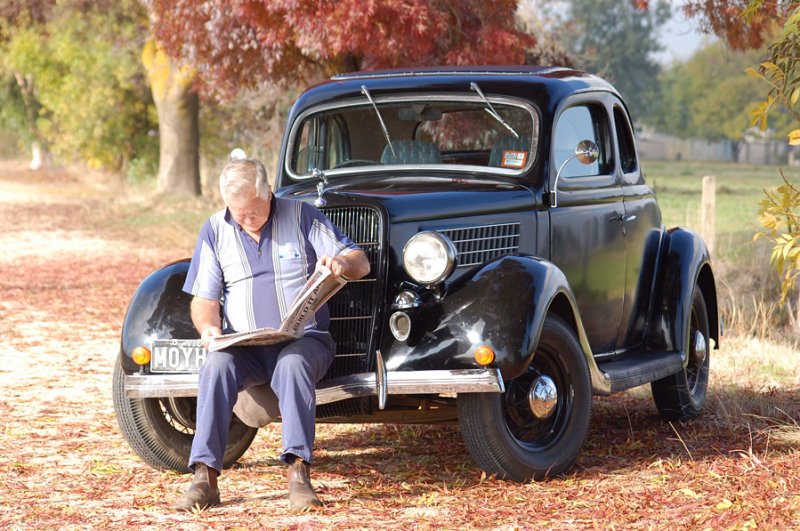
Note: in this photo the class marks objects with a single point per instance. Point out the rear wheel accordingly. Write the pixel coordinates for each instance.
(536, 429)
(682, 396)
(160, 430)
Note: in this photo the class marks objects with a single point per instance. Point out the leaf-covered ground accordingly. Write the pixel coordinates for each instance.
(67, 271)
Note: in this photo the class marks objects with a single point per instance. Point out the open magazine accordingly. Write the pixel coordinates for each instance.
(317, 290)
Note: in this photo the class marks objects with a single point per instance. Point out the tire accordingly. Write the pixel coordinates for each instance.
(682, 396)
(501, 431)
(160, 430)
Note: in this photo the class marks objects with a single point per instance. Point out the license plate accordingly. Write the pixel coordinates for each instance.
(177, 355)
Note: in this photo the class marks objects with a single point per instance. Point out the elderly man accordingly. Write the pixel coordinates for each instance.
(256, 254)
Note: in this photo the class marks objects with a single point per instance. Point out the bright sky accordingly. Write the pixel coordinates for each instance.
(680, 38)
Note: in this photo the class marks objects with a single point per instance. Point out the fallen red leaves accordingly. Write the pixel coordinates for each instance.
(65, 280)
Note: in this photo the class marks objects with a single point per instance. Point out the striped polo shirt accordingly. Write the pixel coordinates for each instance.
(258, 281)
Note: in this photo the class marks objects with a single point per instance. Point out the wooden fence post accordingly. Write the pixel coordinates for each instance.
(708, 212)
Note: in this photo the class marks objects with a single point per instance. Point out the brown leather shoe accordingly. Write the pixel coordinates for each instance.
(301, 495)
(203, 491)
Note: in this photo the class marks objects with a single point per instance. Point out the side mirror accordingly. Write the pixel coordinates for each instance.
(586, 152)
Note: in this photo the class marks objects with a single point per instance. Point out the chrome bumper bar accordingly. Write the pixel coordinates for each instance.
(381, 384)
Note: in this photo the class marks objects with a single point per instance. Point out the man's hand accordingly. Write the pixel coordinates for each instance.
(352, 266)
(208, 334)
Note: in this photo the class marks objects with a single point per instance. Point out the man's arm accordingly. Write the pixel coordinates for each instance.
(205, 316)
(352, 266)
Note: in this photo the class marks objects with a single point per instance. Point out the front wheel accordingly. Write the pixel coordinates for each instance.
(682, 396)
(536, 429)
(160, 430)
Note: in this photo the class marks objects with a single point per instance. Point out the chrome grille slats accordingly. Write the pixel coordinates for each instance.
(353, 308)
(479, 244)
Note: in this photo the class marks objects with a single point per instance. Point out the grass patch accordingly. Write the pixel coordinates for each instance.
(748, 287)
(170, 221)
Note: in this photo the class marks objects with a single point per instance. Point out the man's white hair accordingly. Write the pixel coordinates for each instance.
(244, 176)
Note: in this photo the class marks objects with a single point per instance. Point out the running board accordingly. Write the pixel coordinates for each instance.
(640, 369)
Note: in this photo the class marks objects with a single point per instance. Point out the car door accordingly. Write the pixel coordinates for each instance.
(643, 230)
(587, 232)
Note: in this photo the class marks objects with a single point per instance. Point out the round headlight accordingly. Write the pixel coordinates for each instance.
(428, 257)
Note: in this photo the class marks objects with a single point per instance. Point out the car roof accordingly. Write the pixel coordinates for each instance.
(546, 86)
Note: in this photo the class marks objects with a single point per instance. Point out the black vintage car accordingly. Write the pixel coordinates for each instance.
(519, 266)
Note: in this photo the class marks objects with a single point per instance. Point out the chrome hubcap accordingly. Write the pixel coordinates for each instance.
(542, 397)
(700, 348)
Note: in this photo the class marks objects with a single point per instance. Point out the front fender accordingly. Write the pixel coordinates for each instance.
(159, 309)
(685, 262)
(502, 305)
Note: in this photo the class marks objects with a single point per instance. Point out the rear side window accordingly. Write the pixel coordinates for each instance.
(582, 122)
(627, 153)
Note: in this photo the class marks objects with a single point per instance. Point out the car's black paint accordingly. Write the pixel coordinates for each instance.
(159, 308)
(685, 263)
(501, 305)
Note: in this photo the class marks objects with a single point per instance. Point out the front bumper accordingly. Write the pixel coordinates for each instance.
(380, 383)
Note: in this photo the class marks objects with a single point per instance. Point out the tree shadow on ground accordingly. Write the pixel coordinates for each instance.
(626, 432)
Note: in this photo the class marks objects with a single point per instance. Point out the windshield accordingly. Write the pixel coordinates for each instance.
(408, 132)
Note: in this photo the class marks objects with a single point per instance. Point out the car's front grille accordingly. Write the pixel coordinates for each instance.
(353, 308)
(477, 245)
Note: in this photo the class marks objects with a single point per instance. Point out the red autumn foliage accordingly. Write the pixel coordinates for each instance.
(236, 44)
(723, 18)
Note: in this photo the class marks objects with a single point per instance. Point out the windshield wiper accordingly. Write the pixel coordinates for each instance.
(380, 119)
(474, 86)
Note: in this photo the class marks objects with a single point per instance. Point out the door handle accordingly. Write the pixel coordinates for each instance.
(623, 217)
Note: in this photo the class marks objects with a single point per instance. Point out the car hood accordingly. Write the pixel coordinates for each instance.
(415, 198)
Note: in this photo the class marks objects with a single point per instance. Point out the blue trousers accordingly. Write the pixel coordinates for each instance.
(292, 369)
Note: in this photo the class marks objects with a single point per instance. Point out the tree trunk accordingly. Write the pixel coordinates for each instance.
(178, 122)
(40, 158)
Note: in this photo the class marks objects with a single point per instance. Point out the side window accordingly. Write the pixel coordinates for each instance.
(582, 122)
(627, 153)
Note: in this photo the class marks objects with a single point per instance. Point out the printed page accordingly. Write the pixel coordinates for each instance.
(315, 292)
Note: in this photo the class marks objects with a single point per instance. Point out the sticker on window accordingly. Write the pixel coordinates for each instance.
(514, 159)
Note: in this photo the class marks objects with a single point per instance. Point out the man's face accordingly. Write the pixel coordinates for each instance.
(251, 212)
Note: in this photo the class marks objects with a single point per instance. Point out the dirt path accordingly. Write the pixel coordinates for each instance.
(65, 280)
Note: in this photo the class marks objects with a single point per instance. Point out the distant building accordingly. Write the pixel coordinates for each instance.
(750, 150)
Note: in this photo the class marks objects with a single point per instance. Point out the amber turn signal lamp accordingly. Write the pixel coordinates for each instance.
(484, 355)
(141, 355)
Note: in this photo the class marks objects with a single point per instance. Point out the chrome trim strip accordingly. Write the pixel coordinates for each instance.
(356, 385)
(381, 383)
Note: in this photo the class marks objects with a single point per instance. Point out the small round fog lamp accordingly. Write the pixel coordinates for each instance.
(484, 355)
(400, 325)
(141, 355)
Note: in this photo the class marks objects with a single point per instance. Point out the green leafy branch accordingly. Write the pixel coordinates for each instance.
(781, 72)
(779, 210)
(780, 224)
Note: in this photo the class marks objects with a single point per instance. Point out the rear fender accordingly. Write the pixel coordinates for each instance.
(685, 262)
(159, 309)
(501, 305)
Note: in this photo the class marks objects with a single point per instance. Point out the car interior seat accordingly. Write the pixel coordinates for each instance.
(411, 152)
